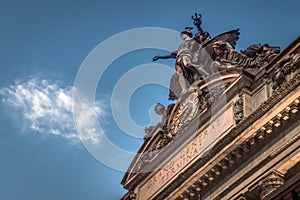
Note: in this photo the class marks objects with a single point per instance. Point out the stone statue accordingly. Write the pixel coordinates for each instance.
(164, 113)
(226, 57)
(255, 56)
(184, 61)
(194, 56)
(161, 110)
(193, 60)
(187, 71)
(266, 54)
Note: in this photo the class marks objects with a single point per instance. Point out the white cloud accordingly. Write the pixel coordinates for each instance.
(87, 124)
(47, 109)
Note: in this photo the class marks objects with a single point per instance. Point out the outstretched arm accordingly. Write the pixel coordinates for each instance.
(172, 55)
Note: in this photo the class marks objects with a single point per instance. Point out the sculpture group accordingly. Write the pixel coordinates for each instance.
(199, 56)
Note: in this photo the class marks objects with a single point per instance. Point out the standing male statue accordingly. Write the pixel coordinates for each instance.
(194, 56)
(186, 70)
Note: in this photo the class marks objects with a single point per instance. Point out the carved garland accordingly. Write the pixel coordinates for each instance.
(238, 109)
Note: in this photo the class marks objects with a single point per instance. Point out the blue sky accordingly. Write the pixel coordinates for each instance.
(43, 45)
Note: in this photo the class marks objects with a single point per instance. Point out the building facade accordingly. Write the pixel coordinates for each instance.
(234, 134)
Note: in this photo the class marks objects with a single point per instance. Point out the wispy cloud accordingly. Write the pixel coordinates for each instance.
(47, 108)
